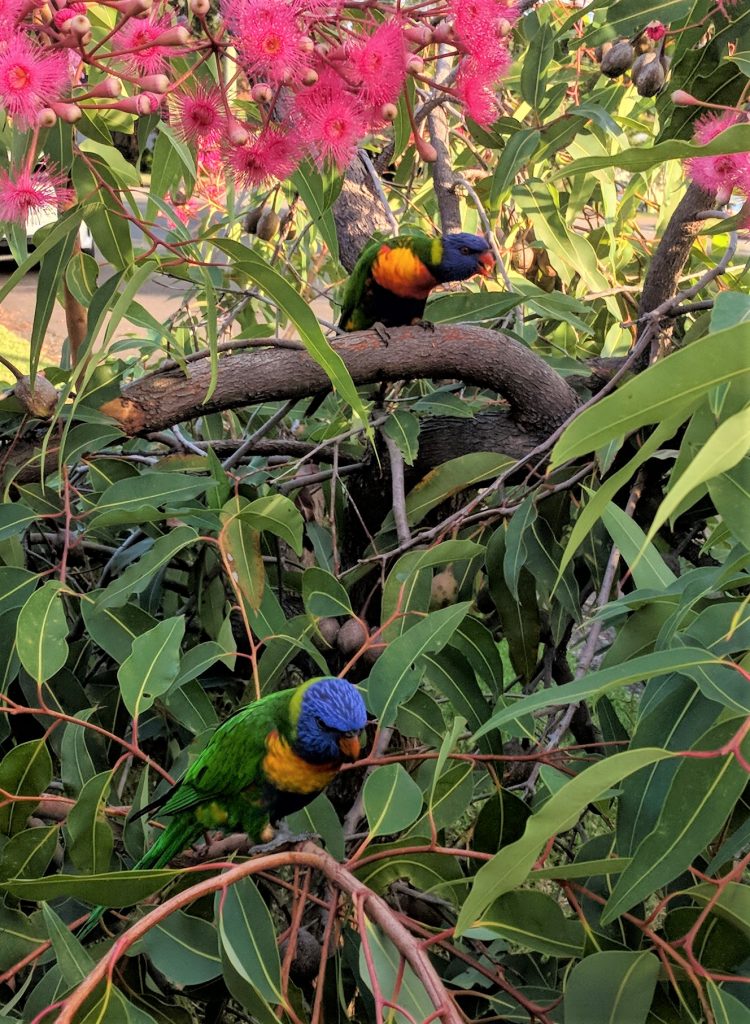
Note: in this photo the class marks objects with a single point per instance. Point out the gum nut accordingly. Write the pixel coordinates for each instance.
(415, 65)
(389, 111)
(268, 225)
(309, 76)
(46, 118)
(250, 223)
(602, 49)
(618, 60)
(200, 7)
(39, 401)
(351, 637)
(328, 628)
(79, 24)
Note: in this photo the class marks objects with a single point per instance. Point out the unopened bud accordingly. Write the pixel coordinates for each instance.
(443, 32)
(415, 65)
(110, 88)
(141, 104)
(262, 93)
(723, 196)
(79, 24)
(425, 149)
(177, 36)
(680, 98)
(133, 8)
(389, 111)
(154, 83)
(305, 44)
(504, 28)
(309, 76)
(237, 134)
(200, 7)
(67, 112)
(322, 49)
(46, 118)
(419, 34)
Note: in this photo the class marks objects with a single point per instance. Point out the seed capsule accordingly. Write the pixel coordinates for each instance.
(618, 60)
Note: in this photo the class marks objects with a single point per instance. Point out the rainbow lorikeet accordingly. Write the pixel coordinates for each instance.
(270, 759)
(392, 279)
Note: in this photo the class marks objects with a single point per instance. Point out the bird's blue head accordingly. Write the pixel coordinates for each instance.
(463, 256)
(330, 715)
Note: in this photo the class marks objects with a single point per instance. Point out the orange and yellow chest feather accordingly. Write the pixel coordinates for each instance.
(289, 772)
(401, 271)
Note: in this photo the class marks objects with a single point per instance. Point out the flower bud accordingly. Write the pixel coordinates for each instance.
(176, 36)
(79, 24)
(133, 8)
(504, 28)
(419, 34)
(414, 65)
(305, 44)
(262, 93)
(46, 118)
(389, 111)
(154, 83)
(200, 7)
(425, 149)
(680, 98)
(110, 88)
(67, 112)
(443, 32)
(309, 76)
(237, 134)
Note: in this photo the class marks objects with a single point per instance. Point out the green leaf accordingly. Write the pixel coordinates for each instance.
(536, 921)
(392, 799)
(28, 853)
(536, 64)
(110, 889)
(115, 629)
(183, 948)
(276, 514)
(397, 982)
(727, 1008)
(516, 154)
(25, 770)
(320, 818)
(318, 196)
(301, 315)
(104, 214)
(248, 938)
(685, 660)
(729, 443)
(511, 866)
(90, 839)
(642, 158)
(241, 544)
(16, 586)
(519, 616)
(649, 397)
(72, 959)
(41, 632)
(451, 478)
(152, 665)
(403, 429)
(393, 679)
(138, 575)
(323, 595)
(646, 564)
(613, 987)
(683, 830)
(14, 518)
(21, 935)
(136, 500)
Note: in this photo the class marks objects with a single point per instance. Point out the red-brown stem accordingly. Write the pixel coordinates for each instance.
(308, 856)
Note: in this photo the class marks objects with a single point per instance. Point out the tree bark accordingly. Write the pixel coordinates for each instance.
(357, 214)
(539, 399)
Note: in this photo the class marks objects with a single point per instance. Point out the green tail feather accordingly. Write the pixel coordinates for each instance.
(179, 834)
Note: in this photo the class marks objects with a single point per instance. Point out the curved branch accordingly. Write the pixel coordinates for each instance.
(309, 856)
(539, 399)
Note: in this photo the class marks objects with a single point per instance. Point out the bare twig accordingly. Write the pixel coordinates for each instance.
(270, 423)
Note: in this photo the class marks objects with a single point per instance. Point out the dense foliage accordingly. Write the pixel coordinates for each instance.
(524, 535)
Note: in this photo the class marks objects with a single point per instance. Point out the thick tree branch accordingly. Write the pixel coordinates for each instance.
(539, 399)
(358, 214)
(670, 258)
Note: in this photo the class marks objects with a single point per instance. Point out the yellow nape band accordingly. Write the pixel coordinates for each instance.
(436, 252)
(290, 773)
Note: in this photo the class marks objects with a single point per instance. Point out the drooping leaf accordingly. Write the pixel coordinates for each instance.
(152, 665)
(41, 632)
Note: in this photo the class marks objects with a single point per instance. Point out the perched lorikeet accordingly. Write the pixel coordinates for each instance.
(267, 761)
(391, 280)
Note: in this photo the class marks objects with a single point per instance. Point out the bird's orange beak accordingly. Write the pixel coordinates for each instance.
(350, 747)
(486, 263)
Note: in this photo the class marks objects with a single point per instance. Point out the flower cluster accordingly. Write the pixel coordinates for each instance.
(255, 85)
(720, 174)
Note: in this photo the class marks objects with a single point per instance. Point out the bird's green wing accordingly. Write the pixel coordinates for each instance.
(231, 761)
(355, 286)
